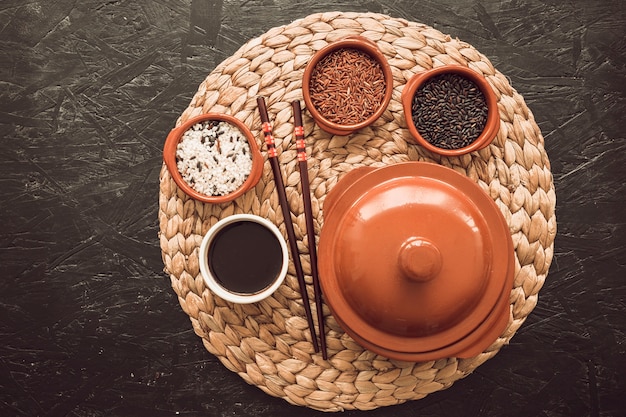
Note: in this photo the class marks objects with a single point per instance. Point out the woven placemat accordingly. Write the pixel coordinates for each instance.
(268, 343)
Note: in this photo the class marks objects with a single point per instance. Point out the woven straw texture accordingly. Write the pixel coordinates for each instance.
(268, 343)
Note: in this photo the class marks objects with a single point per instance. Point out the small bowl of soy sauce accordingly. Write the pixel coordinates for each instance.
(451, 110)
(243, 258)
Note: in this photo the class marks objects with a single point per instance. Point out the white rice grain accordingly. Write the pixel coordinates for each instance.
(214, 158)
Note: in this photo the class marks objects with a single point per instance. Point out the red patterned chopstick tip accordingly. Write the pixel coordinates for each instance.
(269, 139)
(299, 131)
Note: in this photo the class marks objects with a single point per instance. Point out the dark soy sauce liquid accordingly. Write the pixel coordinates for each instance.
(245, 257)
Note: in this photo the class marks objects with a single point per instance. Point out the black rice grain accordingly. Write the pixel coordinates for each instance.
(449, 111)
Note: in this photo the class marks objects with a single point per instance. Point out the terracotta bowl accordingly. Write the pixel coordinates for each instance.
(176, 135)
(416, 262)
(352, 42)
(493, 118)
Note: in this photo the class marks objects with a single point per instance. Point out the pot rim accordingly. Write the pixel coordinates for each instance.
(480, 339)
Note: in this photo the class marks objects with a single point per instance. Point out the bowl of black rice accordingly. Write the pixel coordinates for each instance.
(213, 158)
(451, 110)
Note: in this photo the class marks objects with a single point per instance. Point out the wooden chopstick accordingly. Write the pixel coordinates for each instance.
(282, 197)
(308, 214)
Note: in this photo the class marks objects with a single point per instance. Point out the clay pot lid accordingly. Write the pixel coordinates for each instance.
(417, 261)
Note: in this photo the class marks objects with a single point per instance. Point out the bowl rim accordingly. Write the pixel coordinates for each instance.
(492, 125)
(175, 136)
(350, 42)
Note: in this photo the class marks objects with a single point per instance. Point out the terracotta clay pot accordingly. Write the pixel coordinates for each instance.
(169, 157)
(352, 42)
(416, 262)
(493, 117)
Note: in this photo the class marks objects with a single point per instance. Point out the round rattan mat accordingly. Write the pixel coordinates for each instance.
(268, 343)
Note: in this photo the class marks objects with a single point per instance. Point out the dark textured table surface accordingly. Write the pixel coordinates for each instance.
(89, 325)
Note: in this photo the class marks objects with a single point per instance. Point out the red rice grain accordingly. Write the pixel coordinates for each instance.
(347, 86)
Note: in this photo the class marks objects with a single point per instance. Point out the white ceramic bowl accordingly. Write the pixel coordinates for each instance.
(214, 283)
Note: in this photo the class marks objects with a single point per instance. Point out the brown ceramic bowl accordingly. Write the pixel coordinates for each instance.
(416, 262)
(176, 135)
(493, 118)
(359, 43)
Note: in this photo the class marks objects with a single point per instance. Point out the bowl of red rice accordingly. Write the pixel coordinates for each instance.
(347, 85)
(213, 158)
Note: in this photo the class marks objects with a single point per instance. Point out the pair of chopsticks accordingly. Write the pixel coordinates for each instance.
(308, 213)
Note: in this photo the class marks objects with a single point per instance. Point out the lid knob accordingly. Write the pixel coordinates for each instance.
(419, 259)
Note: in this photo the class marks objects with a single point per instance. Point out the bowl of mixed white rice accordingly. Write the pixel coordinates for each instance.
(213, 158)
